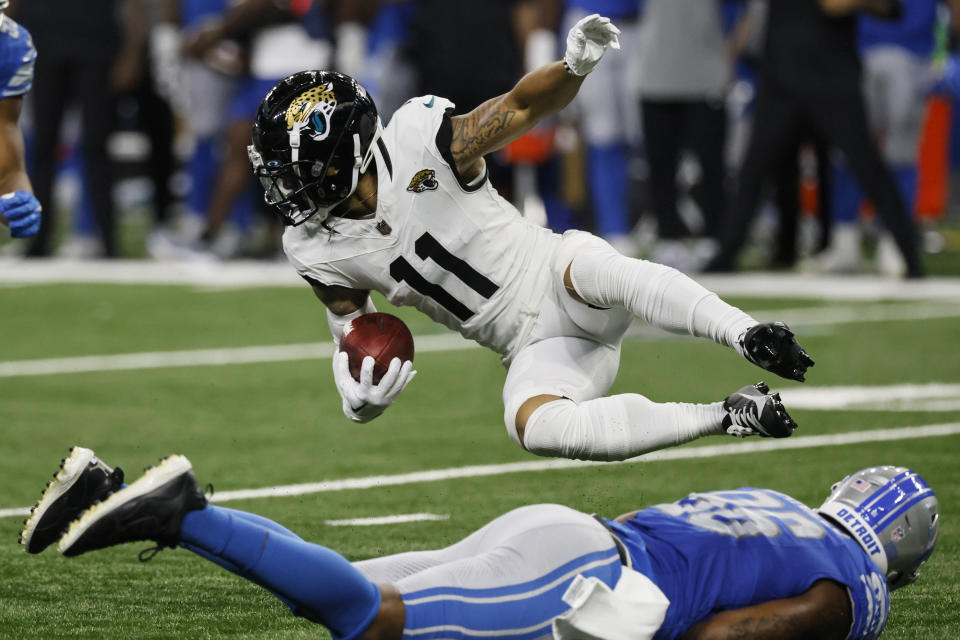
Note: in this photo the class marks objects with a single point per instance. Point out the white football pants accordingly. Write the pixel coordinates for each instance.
(506, 579)
(573, 352)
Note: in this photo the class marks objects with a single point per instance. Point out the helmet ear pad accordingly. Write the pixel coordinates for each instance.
(315, 132)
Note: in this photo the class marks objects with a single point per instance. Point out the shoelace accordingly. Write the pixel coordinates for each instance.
(148, 554)
(747, 418)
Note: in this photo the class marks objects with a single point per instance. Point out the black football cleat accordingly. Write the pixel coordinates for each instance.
(152, 508)
(753, 410)
(772, 346)
(81, 481)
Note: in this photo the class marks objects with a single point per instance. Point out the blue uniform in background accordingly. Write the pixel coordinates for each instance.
(612, 9)
(193, 12)
(726, 550)
(17, 58)
(896, 56)
(914, 30)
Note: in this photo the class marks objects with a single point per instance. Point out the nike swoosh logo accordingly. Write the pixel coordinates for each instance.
(429, 105)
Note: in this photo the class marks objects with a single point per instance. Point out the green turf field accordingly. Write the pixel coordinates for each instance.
(257, 425)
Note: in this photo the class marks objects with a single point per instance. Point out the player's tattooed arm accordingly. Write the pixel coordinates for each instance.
(822, 612)
(499, 121)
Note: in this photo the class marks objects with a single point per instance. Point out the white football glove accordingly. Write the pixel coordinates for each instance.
(587, 41)
(363, 401)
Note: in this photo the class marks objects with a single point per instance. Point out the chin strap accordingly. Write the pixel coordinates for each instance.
(295, 143)
(377, 134)
(362, 163)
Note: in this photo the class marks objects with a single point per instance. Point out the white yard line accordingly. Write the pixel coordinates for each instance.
(399, 518)
(251, 273)
(207, 357)
(798, 317)
(847, 314)
(476, 471)
(894, 397)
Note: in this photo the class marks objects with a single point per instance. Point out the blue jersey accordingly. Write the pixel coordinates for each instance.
(730, 549)
(612, 9)
(17, 57)
(193, 12)
(914, 31)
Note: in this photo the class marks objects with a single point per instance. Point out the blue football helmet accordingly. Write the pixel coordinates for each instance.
(894, 515)
(314, 135)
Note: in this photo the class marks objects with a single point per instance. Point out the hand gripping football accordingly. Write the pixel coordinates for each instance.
(380, 336)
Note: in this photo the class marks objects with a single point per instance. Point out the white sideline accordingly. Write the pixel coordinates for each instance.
(253, 273)
(476, 471)
(432, 342)
(894, 397)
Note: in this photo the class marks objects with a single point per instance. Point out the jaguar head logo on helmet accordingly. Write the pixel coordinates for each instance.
(311, 111)
(313, 137)
(894, 515)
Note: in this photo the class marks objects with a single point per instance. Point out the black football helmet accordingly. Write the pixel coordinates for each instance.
(313, 137)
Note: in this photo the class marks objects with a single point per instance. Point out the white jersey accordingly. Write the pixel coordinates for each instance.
(461, 254)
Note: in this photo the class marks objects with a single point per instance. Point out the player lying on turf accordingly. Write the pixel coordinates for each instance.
(751, 561)
(19, 209)
(408, 211)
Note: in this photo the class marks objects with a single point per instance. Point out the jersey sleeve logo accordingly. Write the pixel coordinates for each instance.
(312, 109)
(423, 180)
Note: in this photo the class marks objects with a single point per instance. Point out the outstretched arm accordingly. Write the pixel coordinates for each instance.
(13, 170)
(19, 209)
(538, 95)
(823, 612)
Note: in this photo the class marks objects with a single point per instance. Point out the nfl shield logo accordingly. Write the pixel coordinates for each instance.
(897, 534)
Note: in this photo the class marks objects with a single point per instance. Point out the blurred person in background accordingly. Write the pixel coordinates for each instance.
(897, 74)
(686, 68)
(805, 168)
(91, 52)
(386, 72)
(20, 210)
(811, 73)
(201, 89)
(282, 37)
(609, 121)
(144, 112)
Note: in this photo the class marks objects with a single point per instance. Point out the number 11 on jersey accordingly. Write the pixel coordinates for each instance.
(426, 247)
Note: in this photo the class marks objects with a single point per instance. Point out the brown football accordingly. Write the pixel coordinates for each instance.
(380, 336)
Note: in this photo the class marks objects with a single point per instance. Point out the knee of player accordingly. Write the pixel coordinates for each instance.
(518, 420)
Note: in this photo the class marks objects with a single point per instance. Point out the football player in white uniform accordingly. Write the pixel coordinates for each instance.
(408, 211)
